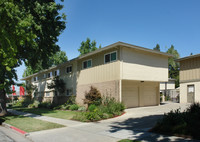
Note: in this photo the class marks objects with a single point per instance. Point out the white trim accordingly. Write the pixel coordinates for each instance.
(87, 61)
(110, 57)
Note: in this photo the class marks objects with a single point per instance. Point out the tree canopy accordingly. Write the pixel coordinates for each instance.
(157, 48)
(56, 59)
(87, 46)
(29, 31)
(173, 65)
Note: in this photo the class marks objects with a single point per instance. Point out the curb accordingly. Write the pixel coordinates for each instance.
(19, 131)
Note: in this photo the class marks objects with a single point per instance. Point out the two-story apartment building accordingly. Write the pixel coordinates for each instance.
(129, 73)
(190, 79)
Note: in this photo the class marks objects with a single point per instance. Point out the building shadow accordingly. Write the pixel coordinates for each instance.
(138, 129)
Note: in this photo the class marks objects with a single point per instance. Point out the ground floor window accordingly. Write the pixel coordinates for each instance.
(47, 94)
(69, 92)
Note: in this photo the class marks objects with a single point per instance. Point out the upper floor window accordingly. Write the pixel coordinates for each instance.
(35, 78)
(69, 69)
(49, 74)
(87, 64)
(56, 73)
(110, 57)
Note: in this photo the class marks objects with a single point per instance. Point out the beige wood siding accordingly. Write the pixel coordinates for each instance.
(97, 59)
(101, 73)
(135, 93)
(143, 66)
(190, 69)
(170, 85)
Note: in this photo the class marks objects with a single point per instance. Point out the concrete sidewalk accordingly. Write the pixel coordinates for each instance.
(8, 135)
(47, 118)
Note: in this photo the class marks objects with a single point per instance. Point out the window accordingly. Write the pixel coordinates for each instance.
(47, 94)
(49, 74)
(190, 88)
(44, 75)
(56, 73)
(69, 92)
(35, 78)
(87, 64)
(110, 57)
(69, 69)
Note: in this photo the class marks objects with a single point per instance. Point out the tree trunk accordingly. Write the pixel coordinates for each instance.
(3, 103)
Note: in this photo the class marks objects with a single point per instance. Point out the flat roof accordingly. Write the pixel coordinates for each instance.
(188, 57)
(119, 43)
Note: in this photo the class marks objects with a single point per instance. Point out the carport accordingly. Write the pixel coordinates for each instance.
(140, 93)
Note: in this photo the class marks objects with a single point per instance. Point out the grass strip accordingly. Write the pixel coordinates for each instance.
(49, 112)
(29, 124)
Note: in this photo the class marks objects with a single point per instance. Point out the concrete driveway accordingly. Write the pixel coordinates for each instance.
(134, 124)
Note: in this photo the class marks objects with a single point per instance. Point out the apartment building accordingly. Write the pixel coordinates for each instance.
(190, 79)
(131, 74)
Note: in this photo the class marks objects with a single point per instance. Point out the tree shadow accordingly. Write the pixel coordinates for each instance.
(138, 129)
(1, 120)
(34, 111)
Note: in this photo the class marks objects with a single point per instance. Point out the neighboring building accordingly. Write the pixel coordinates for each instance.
(168, 90)
(169, 85)
(190, 79)
(129, 73)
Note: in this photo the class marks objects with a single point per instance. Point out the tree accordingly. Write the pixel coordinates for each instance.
(29, 31)
(57, 84)
(157, 48)
(174, 66)
(58, 58)
(87, 46)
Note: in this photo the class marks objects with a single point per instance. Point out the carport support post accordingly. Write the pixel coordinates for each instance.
(120, 90)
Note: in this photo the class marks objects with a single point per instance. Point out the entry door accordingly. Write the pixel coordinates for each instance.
(190, 93)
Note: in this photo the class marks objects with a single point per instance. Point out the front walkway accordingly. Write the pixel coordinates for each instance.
(134, 124)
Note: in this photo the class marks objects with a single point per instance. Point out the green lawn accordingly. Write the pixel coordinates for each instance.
(48, 112)
(28, 124)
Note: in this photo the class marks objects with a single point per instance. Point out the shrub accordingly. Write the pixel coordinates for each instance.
(71, 100)
(82, 108)
(34, 105)
(74, 107)
(23, 102)
(92, 107)
(80, 117)
(184, 123)
(92, 116)
(112, 106)
(93, 96)
(47, 105)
